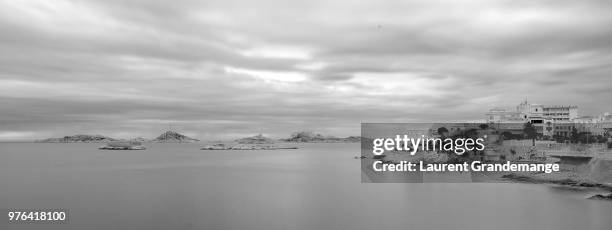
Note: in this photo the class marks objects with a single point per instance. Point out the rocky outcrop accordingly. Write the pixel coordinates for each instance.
(123, 145)
(310, 137)
(221, 146)
(173, 137)
(139, 139)
(258, 139)
(602, 197)
(218, 146)
(80, 138)
(352, 139)
(559, 179)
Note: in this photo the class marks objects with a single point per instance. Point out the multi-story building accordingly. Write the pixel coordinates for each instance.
(560, 112)
(543, 117)
(590, 124)
(548, 112)
(527, 111)
(549, 120)
(498, 115)
(563, 128)
(606, 122)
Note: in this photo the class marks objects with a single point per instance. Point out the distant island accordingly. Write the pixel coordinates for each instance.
(310, 137)
(173, 137)
(257, 142)
(79, 138)
(224, 146)
(258, 139)
(167, 137)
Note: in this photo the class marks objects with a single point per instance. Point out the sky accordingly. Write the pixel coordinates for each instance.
(224, 69)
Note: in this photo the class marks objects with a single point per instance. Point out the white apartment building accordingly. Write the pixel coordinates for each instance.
(547, 119)
(526, 111)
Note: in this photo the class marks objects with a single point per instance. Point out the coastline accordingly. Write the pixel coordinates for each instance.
(565, 178)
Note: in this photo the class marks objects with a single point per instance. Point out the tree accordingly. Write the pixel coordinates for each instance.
(442, 131)
(574, 135)
(530, 132)
(470, 133)
(507, 135)
(601, 139)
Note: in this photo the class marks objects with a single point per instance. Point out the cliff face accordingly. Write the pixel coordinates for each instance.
(173, 137)
(78, 138)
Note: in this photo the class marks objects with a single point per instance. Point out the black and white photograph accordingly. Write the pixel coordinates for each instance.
(306, 114)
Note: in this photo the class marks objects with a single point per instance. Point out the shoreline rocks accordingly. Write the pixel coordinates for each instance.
(601, 197)
(566, 180)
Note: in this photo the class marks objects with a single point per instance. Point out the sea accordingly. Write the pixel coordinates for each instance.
(315, 187)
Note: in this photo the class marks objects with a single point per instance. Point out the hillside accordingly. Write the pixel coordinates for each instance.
(173, 137)
(258, 139)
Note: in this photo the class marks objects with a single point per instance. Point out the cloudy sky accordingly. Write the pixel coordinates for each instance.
(221, 69)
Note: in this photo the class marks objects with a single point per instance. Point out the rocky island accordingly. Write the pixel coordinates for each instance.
(173, 137)
(310, 137)
(258, 142)
(258, 139)
(79, 138)
(222, 146)
(123, 145)
(602, 197)
(166, 137)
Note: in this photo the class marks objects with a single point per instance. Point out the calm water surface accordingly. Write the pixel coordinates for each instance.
(178, 186)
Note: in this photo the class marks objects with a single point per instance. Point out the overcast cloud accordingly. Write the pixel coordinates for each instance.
(223, 69)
